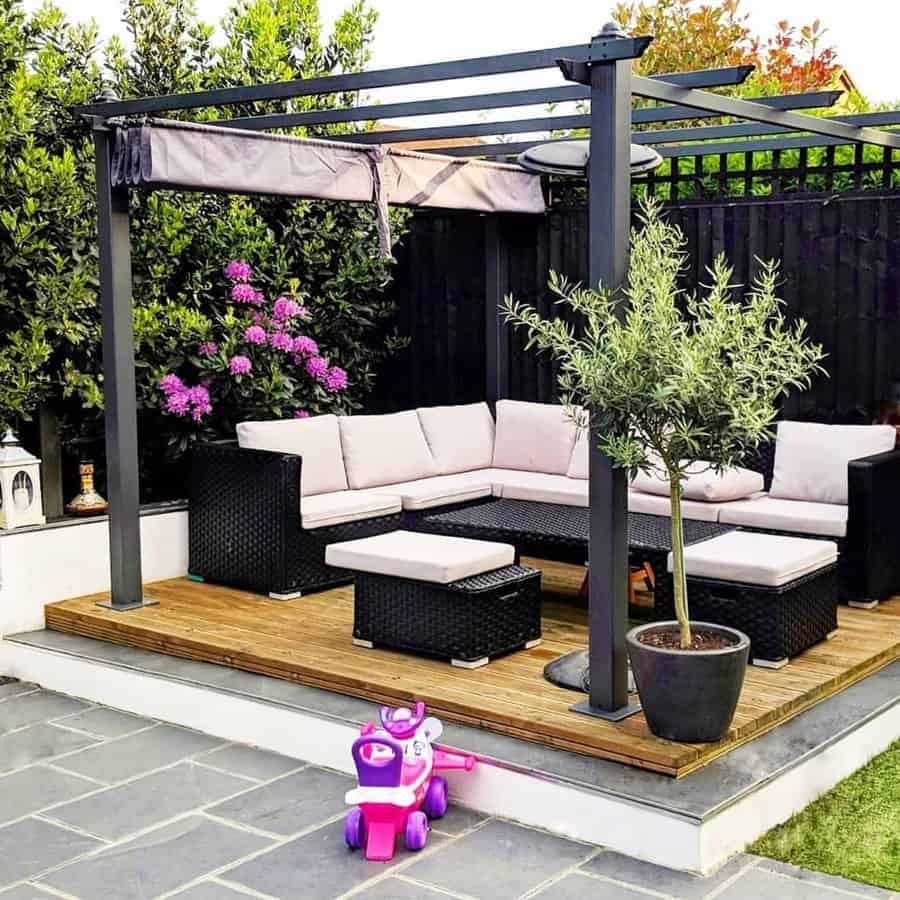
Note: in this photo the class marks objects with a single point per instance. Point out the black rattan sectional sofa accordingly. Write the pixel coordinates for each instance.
(264, 509)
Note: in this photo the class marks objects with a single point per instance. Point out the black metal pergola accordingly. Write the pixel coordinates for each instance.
(599, 72)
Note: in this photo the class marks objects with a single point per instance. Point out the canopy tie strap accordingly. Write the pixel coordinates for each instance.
(377, 156)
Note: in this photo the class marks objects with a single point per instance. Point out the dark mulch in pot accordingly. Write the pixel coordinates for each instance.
(700, 640)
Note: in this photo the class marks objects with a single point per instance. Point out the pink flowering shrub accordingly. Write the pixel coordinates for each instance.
(257, 362)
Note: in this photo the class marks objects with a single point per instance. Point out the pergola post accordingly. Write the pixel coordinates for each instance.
(609, 215)
(119, 386)
(496, 357)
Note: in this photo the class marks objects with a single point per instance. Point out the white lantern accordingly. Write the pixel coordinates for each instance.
(20, 485)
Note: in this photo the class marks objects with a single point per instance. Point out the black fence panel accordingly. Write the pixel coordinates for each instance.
(840, 259)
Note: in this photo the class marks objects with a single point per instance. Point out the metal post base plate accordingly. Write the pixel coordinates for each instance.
(127, 607)
(615, 715)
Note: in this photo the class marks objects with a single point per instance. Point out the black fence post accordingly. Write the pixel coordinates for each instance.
(496, 358)
(119, 386)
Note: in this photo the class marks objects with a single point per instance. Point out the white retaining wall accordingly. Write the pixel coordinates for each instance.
(40, 566)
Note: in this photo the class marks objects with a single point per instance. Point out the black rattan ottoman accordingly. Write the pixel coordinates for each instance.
(407, 598)
(782, 592)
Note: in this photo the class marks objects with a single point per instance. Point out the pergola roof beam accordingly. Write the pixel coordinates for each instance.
(759, 146)
(552, 123)
(809, 100)
(756, 112)
(506, 63)
(721, 133)
(755, 129)
(470, 103)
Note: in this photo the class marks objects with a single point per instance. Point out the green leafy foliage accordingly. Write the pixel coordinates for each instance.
(49, 313)
(673, 378)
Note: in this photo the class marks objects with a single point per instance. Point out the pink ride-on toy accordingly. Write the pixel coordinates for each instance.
(398, 792)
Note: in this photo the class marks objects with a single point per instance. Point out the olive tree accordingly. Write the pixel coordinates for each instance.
(674, 378)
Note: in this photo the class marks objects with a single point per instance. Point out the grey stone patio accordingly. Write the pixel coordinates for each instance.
(99, 803)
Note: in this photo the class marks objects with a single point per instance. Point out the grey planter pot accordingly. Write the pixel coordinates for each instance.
(688, 695)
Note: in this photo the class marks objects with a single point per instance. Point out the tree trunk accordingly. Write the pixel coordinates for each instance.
(678, 577)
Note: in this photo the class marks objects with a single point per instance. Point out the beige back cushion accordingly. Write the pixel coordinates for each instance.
(316, 439)
(385, 449)
(534, 437)
(579, 466)
(811, 460)
(461, 438)
(703, 483)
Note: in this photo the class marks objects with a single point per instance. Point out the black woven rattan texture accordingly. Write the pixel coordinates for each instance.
(554, 531)
(484, 615)
(780, 621)
(245, 527)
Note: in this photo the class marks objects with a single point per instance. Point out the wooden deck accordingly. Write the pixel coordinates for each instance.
(308, 640)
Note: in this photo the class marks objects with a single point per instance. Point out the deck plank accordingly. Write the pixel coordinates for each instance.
(308, 641)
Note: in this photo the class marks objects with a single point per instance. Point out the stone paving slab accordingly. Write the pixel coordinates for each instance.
(37, 787)
(207, 890)
(104, 722)
(125, 809)
(38, 742)
(315, 866)
(30, 846)
(578, 886)
(499, 860)
(14, 688)
(251, 762)
(290, 804)
(39, 706)
(156, 862)
(400, 889)
(634, 872)
(128, 756)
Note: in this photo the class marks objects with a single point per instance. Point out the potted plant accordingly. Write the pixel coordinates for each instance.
(676, 380)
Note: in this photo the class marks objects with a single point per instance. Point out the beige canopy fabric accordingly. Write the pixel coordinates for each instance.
(165, 153)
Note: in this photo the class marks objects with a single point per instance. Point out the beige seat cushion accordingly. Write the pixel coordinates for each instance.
(440, 490)
(461, 438)
(423, 557)
(316, 439)
(323, 510)
(798, 516)
(534, 437)
(539, 487)
(657, 505)
(385, 449)
(811, 460)
(703, 484)
(769, 560)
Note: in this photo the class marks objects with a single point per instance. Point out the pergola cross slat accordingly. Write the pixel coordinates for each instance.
(602, 69)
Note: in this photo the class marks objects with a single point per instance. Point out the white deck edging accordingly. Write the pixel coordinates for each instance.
(632, 828)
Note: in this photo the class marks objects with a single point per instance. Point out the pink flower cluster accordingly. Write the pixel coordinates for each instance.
(208, 348)
(255, 334)
(238, 270)
(335, 379)
(182, 400)
(285, 308)
(240, 365)
(305, 346)
(281, 341)
(246, 293)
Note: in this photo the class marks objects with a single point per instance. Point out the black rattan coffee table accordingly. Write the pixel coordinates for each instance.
(554, 531)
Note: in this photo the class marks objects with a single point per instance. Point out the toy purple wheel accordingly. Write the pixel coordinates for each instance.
(355, 829)
(435, 804)
(416, 830)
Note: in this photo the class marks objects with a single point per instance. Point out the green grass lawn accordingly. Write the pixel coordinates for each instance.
(853, 830)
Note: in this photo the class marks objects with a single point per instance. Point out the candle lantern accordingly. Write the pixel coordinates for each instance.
(20, 485)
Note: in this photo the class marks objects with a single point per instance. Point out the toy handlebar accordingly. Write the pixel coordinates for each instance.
(446, 760)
